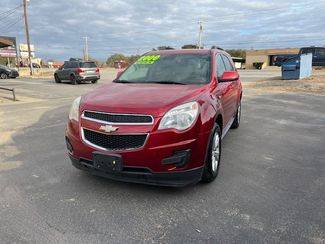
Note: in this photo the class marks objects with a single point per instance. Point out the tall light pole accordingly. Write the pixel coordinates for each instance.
(86, 55)
(27, 37)
(200, 34)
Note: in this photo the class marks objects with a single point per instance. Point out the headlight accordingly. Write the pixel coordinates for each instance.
(180, 117)
(74, 111)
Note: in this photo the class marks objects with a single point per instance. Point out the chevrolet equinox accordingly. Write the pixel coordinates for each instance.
(161, 121)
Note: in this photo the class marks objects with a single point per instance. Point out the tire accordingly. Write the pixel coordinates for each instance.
(73, 80)
(3, 76)
(237, 119)
(211, 167)
(57, 79)
(94, 81)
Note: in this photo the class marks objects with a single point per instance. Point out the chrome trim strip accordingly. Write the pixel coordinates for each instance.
(114, 123)
(114, 150)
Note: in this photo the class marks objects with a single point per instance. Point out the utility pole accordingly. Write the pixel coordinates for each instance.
(86, 55)
(27, 37)
(200, 34)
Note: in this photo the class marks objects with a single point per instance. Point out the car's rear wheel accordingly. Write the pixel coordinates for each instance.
(73, 80)
(94, 81)
(236, 122)
(57, 79)
(3, 76)
(212, 164)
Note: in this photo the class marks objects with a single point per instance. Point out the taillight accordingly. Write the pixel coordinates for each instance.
(79, 70)
(97, 70)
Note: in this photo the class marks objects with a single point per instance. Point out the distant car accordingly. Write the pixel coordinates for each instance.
(281, 59)
(77, 71)
(318, 54)
(6, 72)
(35, 65)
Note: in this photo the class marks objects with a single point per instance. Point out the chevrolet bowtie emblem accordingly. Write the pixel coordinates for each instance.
(108, 128)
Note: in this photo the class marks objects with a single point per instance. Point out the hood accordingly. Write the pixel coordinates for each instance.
(153, 99)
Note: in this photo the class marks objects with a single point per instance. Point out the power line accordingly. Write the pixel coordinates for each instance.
(11, 9)
(12, 24)
(9, 12)
(8, 21)
(107, 48)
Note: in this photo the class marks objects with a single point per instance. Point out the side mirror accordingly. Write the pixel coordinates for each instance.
(229, 76)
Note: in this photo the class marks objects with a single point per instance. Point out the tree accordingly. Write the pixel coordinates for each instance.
(190, 46)
(133, 58)
(240, 53)
(96, 61)
(116, 57)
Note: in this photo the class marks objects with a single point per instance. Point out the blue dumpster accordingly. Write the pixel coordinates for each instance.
(297, 67)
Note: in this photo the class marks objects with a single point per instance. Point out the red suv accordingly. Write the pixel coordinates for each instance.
(159, 122)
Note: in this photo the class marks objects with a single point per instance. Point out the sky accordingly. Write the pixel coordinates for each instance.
(58, 27)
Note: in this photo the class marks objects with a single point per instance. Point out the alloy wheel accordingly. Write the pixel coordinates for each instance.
(215, 154)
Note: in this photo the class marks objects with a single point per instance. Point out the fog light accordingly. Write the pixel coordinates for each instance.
(179, 158)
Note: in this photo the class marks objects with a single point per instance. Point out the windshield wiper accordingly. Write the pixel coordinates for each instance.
(168, 82)
(122, 81)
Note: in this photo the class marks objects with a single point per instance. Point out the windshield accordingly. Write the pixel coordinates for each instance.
(87, 65)
(169, 68)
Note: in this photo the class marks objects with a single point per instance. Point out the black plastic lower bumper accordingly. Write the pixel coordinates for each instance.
(88, 78)
(144, 176)
(13, 74)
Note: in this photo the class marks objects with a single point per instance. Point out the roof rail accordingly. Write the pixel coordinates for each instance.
(216, 47)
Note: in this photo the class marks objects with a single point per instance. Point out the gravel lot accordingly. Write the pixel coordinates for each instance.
(270, 187)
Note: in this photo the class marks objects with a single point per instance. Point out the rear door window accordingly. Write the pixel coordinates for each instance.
(228, 64)
(320, 52)
(73, 65)
(220, 66)
(65, 65)
(307, 50)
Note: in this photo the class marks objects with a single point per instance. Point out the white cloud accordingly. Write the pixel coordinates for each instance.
(57, 27)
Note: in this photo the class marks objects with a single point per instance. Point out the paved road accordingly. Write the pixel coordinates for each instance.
(270, 187)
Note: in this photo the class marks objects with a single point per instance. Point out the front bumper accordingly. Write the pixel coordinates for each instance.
(167, 157)
(143, 175)
(13, 74)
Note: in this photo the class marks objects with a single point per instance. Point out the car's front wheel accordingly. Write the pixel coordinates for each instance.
(3, 76)
(212, 164)
(73, 79)
(57, 79)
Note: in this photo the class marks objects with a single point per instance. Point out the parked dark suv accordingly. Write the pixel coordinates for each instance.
(77, 71)
(6, 72)
(318, 54)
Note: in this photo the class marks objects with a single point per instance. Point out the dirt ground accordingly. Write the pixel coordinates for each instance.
(312, 85)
